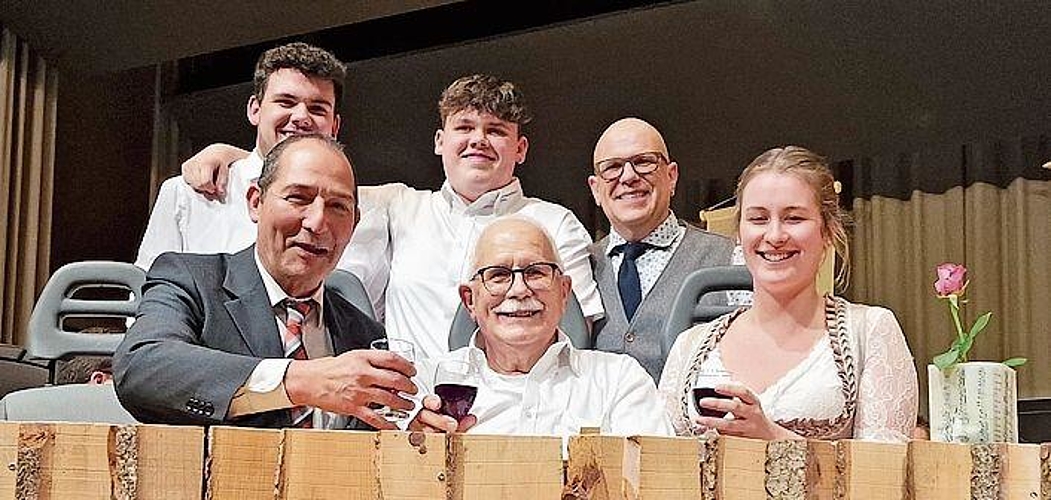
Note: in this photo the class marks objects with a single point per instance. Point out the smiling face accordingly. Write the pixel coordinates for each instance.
(634, 203)
(293, 104)
(306, 214)
(782, 232)
(479, 152)
(523, 320)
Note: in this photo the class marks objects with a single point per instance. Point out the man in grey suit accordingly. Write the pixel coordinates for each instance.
(254, 338)
(640, 266)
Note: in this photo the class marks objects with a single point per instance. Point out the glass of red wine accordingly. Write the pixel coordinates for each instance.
(456, 383)
(704, 387)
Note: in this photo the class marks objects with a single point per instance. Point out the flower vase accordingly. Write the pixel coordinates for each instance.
(973, 402)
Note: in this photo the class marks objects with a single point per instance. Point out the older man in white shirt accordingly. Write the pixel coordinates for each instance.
(532, 381)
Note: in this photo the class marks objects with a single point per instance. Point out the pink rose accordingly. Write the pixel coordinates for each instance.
(952, 279)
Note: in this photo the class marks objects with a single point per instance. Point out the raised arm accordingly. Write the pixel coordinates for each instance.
(888, 391)
(207, 171)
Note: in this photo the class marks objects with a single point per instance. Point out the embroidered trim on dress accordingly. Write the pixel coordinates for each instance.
(843, 353)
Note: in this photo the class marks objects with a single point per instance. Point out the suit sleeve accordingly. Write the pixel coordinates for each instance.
(165, 370)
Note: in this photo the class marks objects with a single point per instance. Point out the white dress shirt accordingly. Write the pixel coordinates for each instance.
(264, 389)
(431, 237)
(183, 220)
(665, 239)
(568, 389)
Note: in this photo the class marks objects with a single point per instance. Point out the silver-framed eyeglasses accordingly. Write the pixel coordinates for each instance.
(537, 276)
(643, 163)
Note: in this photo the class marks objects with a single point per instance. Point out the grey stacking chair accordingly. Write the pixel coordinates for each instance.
(573, 324)
(77, 300)
(689, 308)
(347, 285)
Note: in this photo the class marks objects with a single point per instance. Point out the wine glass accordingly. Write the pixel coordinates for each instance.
(704, 387)
(406, 350)
(456, 383)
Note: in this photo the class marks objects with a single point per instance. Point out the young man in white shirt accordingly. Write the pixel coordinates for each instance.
(428, 234)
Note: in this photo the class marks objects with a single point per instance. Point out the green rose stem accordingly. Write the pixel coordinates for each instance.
(954, 310)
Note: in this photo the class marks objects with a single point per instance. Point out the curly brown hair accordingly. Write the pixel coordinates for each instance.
(305, 58)
(485, 94)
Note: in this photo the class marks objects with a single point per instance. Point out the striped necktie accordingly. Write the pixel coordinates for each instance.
(297, 311)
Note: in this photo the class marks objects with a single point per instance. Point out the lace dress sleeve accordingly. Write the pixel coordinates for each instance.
(888, 393)
(673, 377)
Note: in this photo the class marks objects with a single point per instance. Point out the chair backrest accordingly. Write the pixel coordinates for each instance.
(19, 374)
(65, 403)
(1034, 420)
(687, 309)
(348, 286)
(78, 297)
(572, 323)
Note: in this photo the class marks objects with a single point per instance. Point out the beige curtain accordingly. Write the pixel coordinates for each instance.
(28, 96)
(1000, 228)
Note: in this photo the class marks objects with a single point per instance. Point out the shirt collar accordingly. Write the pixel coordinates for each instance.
(276, 294)
(496, 202)
(560, 353)
(662, 236)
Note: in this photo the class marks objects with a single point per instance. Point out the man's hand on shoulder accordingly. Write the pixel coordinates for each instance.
(349, 383)
(208, 170)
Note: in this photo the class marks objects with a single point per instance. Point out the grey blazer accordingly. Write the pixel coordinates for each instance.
(203, 325)
(642, 338)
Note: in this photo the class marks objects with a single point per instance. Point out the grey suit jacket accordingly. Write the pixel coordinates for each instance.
(642, 337)
(203, 325)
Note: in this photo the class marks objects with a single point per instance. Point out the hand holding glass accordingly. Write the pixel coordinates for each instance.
(456, 383)
(704, 387)
(406, 350)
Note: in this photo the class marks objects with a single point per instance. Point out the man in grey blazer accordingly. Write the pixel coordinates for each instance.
(254, 338)
(641, 264)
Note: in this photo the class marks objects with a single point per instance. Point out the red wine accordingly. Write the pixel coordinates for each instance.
(456, 399)
(707, 392)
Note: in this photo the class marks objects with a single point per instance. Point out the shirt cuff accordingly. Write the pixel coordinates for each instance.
(264, 390)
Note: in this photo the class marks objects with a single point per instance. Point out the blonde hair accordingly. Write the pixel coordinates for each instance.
(812, 169)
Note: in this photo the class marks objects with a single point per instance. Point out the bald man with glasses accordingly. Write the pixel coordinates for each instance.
(641, 264)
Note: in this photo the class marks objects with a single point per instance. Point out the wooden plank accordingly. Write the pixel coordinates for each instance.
(786, 469)
(506, 467)
(170, 462)
(319, 464)
(243, 463)
(1045, 471)
(871, 471)
(8, 458)
(939, 471)
(1018, 474)
(821, 469)
(80, 466)
(602, 468)
(668, 467)
(740, 471)
(411, 465)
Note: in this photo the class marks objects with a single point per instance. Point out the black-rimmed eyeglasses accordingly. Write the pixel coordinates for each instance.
(537, 276)
(643, 163)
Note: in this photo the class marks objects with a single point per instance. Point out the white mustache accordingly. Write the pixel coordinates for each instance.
(512, 306)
